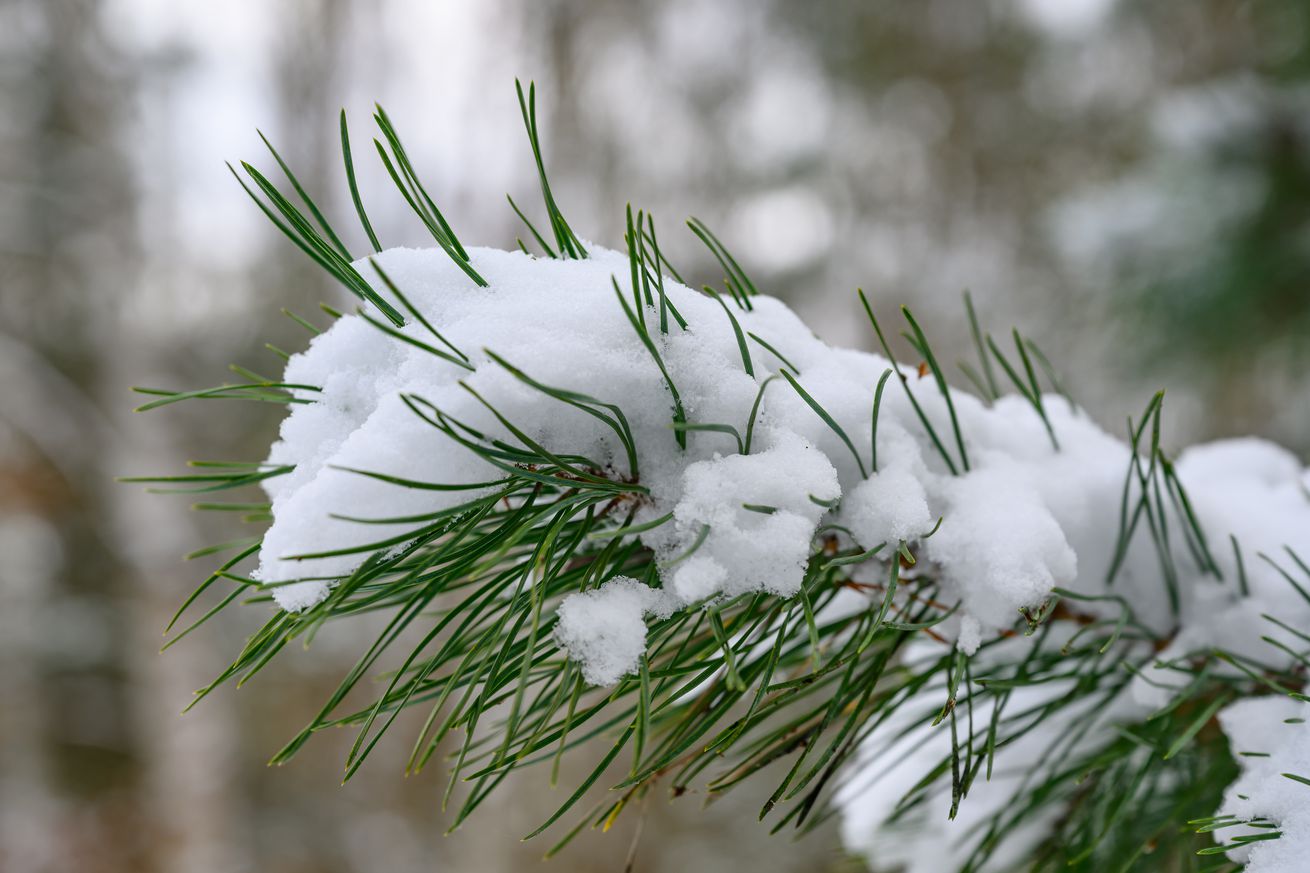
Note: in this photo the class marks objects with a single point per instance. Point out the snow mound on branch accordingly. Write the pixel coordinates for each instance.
(1023, 519)
(1248, 497)
(1005, 547)
(1244, 490)
(1019, 520)
(1277, 731)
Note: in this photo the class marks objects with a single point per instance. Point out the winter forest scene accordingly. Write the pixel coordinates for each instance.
(859, 437)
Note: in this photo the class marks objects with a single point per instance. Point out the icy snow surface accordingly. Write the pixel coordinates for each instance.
(1024, 519)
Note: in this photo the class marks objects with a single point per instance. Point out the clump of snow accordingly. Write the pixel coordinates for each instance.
(605, 630)
(698, 578)
(888, 507)
(1270, 739)
(1020, 521)
(761, 512)
(1005, 549)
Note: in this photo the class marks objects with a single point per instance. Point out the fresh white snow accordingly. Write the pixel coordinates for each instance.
(1023, 520)
(605, 628)
(1270, 739)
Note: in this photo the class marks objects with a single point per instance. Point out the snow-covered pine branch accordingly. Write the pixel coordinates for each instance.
(995, 633)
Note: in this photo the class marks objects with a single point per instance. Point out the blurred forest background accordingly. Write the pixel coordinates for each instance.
(1128, 182)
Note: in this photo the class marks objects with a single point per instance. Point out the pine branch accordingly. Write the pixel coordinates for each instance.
(869, 650)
